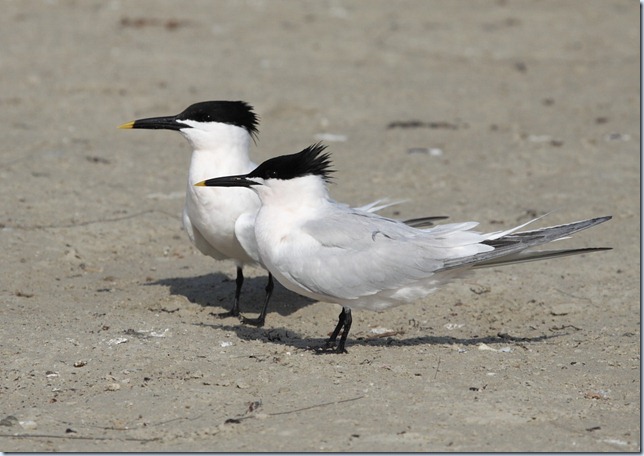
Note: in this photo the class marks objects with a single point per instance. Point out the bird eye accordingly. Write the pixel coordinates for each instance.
(271, 173)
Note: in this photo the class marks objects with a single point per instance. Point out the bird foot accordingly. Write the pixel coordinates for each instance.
(258, 322)
(330, 347)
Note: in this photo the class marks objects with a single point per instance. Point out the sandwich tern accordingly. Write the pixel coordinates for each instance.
(219, 133)
(331, 252)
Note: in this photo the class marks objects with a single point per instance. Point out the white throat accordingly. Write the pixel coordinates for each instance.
(218, 150)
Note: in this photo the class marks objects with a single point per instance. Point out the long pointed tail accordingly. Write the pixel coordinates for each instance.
(511, 248)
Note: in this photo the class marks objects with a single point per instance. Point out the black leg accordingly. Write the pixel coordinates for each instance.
(348, 319)
(344, 321)
(259, 321)
(239, 281)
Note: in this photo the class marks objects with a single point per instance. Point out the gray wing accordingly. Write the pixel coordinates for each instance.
(359, 253)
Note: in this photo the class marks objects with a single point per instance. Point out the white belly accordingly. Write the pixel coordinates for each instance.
(209, 218)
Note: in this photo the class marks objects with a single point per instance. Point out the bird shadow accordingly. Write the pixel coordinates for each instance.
(218, 290)
(290, 338)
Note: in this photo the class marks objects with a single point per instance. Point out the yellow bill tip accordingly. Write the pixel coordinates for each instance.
(127, 125)
(200, 184)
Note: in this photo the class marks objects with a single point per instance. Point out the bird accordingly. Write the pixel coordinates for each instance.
(331, 252)
(220, 133)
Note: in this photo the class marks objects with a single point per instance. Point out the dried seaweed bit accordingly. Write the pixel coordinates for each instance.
(405, 124)
(253, 406)
(141, 22)
(478, 388)
(23, 294)
(98, 160)
(443, 125)
(9, 420)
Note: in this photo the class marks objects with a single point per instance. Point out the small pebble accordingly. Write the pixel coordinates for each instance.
(28, 424)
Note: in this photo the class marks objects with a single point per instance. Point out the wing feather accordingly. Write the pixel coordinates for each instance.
(353, 253)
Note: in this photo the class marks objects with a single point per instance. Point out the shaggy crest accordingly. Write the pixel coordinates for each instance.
(310, 161)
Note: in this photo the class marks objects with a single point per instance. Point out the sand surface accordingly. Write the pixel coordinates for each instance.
(494, 111)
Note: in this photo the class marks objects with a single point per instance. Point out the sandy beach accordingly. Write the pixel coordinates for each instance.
(496, 111)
